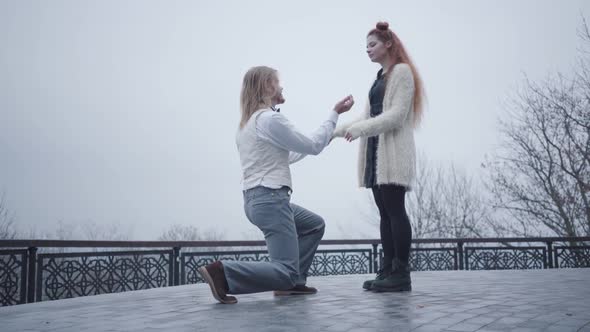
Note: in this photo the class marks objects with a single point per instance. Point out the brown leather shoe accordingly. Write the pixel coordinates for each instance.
(297, 290)
(214, 276)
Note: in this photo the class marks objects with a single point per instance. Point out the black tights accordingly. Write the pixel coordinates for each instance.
(396, 231)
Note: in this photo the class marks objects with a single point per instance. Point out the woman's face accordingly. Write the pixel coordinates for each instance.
(377, 50)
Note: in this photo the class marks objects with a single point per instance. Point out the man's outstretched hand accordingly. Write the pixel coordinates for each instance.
(344, 105)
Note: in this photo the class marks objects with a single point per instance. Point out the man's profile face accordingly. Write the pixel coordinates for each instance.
(278, 97)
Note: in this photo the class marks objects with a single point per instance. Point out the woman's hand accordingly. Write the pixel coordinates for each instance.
(352, 133)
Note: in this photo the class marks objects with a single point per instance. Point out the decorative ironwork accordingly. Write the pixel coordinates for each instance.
(572, 256)
(325, 262)
(81, 274)
(430, 259)
(13, 271)
(191, 261)
(339, 262)
(505, 258)
(26, 276)
(433, 259)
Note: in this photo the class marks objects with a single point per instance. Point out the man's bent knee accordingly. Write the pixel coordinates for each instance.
(321, 225)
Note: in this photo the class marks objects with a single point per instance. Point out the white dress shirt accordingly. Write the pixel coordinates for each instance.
(268, 143)
(275, 128)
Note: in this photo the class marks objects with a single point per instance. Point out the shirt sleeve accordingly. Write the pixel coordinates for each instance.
(276, 129)
(295, 157)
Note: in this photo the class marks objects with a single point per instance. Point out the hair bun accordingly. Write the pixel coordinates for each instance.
(383, 26)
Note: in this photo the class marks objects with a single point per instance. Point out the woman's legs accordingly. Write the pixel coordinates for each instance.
(385, 229)
(394, 220)
(393, 200)
(387, 241)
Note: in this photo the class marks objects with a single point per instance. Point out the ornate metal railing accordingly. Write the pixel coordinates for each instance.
(39, 273)
(81, 274)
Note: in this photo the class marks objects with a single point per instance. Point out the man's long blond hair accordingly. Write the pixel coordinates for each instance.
(256, 91)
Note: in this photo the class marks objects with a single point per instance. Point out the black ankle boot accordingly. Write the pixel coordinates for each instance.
(384, 271)
(398, 280)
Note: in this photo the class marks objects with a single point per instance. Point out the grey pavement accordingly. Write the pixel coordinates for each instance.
(528, 300)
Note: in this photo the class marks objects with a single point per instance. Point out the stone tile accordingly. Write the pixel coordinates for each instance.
(560, 328)
(534, 324)
(479, 311)
(466, 327)
(430, 328)
(481, 320)
(511, 320)
(451, 300)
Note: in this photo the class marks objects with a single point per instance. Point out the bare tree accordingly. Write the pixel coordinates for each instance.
(540, 176)
(7, 223)
(112, 232)
(78, 231)
(178, 232)
(462, 208)
(189, 233)
(444, 202)
(422, 203)
(252, 234)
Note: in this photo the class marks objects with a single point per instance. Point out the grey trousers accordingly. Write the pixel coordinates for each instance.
(292, 236)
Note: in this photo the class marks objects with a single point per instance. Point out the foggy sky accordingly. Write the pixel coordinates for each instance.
(126, 111)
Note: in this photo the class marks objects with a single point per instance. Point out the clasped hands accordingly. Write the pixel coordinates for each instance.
(351, 133)
(344, 106)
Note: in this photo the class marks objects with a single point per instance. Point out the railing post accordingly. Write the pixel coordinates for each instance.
(176, 264)
(31, 274)
(375, 259)
(171, 267)
(460, 252)
(549, 254)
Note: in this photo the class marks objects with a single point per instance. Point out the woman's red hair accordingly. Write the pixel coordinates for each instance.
(399, 55)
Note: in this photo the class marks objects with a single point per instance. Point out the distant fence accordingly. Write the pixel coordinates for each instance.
(41, 270)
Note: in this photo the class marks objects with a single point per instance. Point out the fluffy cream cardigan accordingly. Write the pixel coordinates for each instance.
(396, 151)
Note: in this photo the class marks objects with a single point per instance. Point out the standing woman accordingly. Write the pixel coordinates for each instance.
(387, 154)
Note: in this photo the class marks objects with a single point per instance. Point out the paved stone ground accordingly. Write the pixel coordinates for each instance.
(542, 300)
